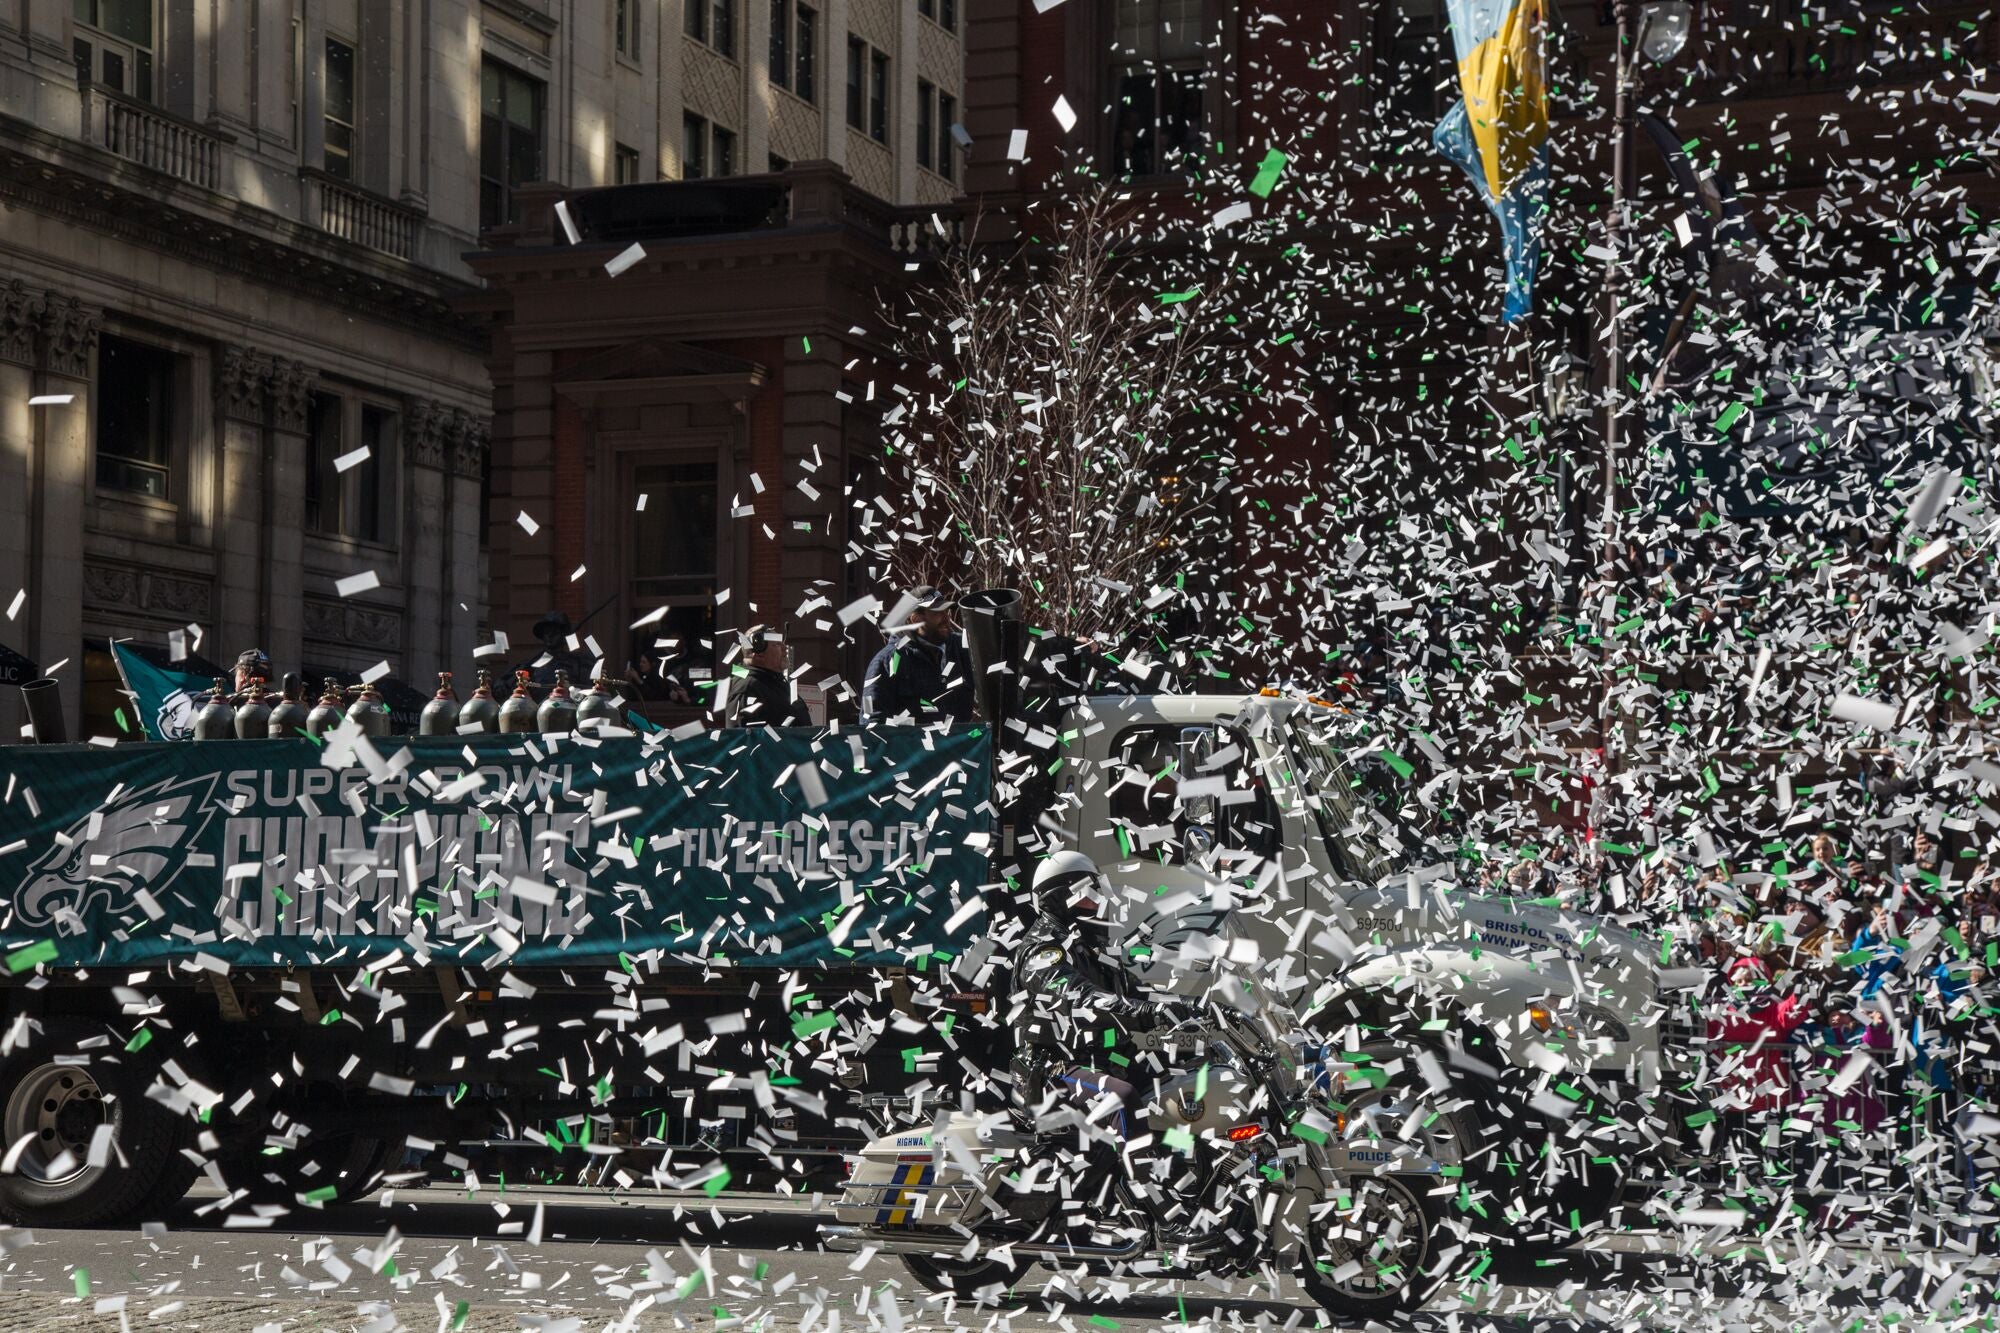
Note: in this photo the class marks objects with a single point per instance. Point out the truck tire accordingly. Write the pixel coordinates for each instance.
(55, 1094)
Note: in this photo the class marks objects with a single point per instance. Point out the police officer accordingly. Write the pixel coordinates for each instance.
(924, 672)
(763, 694)
(1067, 988)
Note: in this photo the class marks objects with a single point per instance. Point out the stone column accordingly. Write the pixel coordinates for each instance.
(60, 496)
(284, 500)
(813, 560)
(426, 574)
(242, 394)
(524, 479)
(465, 596)
(21, 308)
(833, 79)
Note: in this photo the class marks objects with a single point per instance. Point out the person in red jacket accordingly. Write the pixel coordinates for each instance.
(1751, 1037)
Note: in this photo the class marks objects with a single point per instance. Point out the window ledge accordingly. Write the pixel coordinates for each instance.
(781, 88)
(718, 54)
(629, 62)
(353, 546)
(142, 504)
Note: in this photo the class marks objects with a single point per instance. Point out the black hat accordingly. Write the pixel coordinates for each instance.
(553, 628)
(254, 660)
(930, 599)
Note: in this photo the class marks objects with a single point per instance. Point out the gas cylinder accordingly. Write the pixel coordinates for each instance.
(326, 714)
(482, 707)
(217, 720)
(440, 715)
(288, 716)
(597, 708)
(518, 713)
(370, 712)
(253, 716)
(558, 711)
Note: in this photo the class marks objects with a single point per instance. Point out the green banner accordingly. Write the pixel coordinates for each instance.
(745, 848)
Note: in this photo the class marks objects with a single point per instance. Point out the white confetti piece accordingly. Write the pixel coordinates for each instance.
(563, 217)
(364, 581)
(20, 599)
(375, 673)
(1017, 146)
(528, 525)
(625, 259)
(352, 458)
(1065, 117)
(1230, 216)
(52, 400)
(1867, 712)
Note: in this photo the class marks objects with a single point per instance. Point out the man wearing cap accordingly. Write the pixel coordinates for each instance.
(924, 672)
(762, 695)
(252, 664)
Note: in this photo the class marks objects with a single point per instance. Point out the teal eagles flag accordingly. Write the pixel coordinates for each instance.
(730, 848)
(162, 697)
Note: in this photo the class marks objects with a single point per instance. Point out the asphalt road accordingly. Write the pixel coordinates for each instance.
(566, 1261)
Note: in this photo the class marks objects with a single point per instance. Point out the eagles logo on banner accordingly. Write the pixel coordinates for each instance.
(1499, 132)
(163, 698)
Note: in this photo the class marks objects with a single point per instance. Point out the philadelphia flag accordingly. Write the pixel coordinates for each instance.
(1499, 132)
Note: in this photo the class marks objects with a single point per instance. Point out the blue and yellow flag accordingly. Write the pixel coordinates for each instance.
(1499, 133)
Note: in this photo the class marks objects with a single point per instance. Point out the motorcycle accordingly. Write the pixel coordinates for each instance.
(1252, 1169)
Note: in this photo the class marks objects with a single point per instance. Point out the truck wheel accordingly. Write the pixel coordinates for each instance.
(345, 1165)
(58, 1097)
(1375, 1254)
(967, 1278)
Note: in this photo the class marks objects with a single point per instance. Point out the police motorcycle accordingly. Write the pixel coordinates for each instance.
(1246, 1162)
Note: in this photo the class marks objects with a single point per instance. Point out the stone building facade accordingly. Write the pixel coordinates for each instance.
(234, 236)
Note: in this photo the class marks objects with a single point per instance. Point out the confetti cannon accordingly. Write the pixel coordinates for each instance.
(43, 700)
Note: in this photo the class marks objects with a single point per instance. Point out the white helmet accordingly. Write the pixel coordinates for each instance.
(1065, 882)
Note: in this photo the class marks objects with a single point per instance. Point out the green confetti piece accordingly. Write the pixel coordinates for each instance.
(1302, 1130)
(912, 1054)
(1515, 450)
(324, 1194)
(716, 1183)
(139, 1040)
(1700, 1118)
(41, 951)
(1179, 1138)
(1398, 763)
(807, 1024)
(1103, 1322)
(458, 1314)
(82, 1283)
(1175, 298)
(1729, 418)
(1268, 171)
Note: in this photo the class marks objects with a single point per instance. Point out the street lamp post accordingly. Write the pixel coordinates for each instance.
(1656, 30)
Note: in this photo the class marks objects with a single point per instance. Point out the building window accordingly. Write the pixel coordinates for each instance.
(947, 117)
(1414, 75)
(694, 147)
(944, 13)
(673, 555)
(510, 140)
(926, 122)
(136, 414)
(114, 45)
(625, 21)
(781, 43)
(794, 43)
(878, 97)
(713, 22)
(722, 151)
(624, 165)
(338, 92)
(1159, 68)
(805, 54)
(350, 461)
(857, 66)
